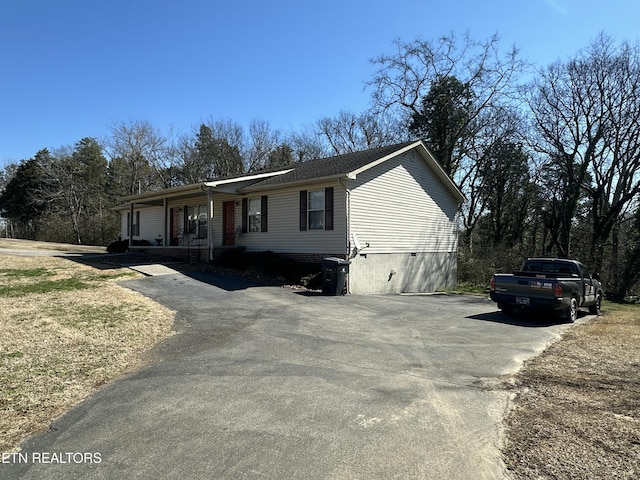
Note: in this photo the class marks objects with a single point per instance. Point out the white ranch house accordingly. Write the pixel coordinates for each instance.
(392, 211)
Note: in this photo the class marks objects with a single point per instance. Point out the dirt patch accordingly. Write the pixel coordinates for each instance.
(576, 410)
(67, 328)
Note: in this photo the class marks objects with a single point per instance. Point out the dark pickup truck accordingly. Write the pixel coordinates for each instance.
(548, 284)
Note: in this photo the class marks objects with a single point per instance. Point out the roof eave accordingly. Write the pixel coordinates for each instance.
(294, 183)
(166, 193)
(444, 177)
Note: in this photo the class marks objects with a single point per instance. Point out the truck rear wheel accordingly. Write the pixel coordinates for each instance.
(572, 312)
(595, 308)
(506, 309)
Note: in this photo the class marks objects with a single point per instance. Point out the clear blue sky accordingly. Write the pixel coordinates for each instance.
(69, 68)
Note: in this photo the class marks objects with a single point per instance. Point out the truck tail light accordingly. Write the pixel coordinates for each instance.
(492, 284)
(558, 291)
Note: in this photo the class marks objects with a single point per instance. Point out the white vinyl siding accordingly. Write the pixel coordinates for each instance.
(401, 206)
(151, 224)
(284, 233)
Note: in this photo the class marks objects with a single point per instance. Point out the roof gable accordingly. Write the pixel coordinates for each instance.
(350, 165)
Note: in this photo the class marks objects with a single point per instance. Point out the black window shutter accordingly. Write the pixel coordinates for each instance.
(245, 215)
(128, 223)
(303, 210)
(328, 208)
(263, 213)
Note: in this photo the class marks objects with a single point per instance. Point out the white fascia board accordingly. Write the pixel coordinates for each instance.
(428, 158)
(257, 176)
(295, 183)
(353, 174)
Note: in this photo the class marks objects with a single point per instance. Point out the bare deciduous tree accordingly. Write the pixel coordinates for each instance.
(263, 140)
(350, 132)
(405, 77)
(144, 152)
(586, 113)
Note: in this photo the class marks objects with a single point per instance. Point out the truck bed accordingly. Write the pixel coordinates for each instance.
(528, 290)
(557, 285)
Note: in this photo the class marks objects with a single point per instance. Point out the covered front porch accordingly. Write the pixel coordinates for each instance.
(174, 222)
(189, 221)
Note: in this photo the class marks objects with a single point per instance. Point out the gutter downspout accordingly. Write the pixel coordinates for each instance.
(348, 221)
(165, 205)
(210, 223)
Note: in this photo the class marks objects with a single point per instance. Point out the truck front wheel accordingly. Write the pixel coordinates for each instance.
(572, 311)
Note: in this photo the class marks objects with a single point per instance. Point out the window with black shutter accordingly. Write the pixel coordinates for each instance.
(316, 209)
(245, 215)
(136, 224)
(328, 208)
(263, 213)
(254, 214)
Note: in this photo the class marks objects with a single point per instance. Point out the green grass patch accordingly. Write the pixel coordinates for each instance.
(613, 307)
(110, 276)
(44, 286)
(28, 273)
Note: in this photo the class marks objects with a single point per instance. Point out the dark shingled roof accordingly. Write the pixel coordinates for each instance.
(331, 166)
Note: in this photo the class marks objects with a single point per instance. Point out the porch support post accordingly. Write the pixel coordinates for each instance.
(165, 238)
(210, 223)
(131, 224)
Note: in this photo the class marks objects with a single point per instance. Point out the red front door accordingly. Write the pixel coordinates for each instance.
(174, 227)
(228, 223)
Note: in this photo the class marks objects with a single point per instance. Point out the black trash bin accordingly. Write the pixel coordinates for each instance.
(334, 275)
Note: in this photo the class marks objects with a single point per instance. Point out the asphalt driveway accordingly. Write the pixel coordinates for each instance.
(265, 382)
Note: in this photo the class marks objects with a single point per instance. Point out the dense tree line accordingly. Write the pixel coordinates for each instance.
(550, 166)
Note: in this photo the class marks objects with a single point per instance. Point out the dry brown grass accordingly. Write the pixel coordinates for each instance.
(35, 245)
(576, 413)
(59, 346)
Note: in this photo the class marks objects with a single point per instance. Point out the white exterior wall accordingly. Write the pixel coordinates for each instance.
(151, 224)
(405, 214)
(283, 233)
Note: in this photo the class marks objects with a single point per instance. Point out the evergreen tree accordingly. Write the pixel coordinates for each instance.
(22, 201)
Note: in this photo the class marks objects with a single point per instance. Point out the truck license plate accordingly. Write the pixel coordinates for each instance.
(522, 300)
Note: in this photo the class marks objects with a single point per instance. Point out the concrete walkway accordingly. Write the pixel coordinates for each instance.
(153, 270)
